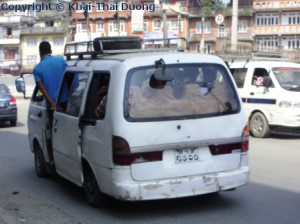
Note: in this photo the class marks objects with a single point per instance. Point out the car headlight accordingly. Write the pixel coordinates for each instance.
(289, 104)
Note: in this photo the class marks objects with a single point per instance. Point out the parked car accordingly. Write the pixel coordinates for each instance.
(8, 106)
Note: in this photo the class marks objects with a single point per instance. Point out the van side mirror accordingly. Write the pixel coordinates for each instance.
(267, 82)
(20, 86)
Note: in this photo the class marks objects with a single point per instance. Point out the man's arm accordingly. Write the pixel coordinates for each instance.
(45, 94)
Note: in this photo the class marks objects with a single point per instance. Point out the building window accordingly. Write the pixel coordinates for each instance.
(9, 31)
(31, 41)
(157, 25)
(100, 26)
(58, 41)
(49, 23)
(293, 42)
(267, 43)
(222, 31)
(242, 26)
(10, 53)
(207, 48)
(31, 59)
(206, 26)
(81, 27)
(145, 25)
(267, 19)
(172, 25)
(293, 18)
(113, 26)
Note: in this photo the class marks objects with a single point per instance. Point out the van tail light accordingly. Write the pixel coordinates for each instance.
(122, 155)
(224, 149)
(121, 152)
(12, 101)
(245, 139)
(229, 148)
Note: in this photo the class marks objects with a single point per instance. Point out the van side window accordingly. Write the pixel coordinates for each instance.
(71, 93)
(258, 77)
(239, 75)
(95, 107)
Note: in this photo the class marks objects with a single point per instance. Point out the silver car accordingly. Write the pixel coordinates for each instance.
(8, 106)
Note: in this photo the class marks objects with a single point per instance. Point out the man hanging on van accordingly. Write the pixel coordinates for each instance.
(48, 73)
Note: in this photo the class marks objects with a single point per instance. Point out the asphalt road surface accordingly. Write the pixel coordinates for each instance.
(272, 196)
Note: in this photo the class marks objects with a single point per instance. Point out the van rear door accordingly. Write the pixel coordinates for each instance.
(191, 125)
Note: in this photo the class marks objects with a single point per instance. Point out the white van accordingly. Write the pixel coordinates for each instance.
(171, 125)
(270, 91)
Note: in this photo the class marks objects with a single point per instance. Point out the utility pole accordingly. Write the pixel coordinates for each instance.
(165, 26)
(234, 25)
(202, 44)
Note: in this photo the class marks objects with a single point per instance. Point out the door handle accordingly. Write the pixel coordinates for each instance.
(55, 125)
(39, 114)
(252, 93)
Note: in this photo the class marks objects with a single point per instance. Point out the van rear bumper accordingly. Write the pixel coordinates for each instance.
(178, 187)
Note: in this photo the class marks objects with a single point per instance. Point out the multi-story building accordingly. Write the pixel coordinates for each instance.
(22, 30)
(141, 18)
(145, 18)
(276, 24)
(9, 43)
(46, 25)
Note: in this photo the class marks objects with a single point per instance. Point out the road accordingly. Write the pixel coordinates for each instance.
(272, 196)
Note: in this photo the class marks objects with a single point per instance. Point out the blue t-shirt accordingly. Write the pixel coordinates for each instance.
(50, 71)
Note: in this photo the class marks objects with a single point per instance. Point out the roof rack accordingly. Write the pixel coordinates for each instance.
(117, 45)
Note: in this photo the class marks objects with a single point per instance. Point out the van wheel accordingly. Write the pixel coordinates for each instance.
(259, 126)
(92, 192)
(39, 162)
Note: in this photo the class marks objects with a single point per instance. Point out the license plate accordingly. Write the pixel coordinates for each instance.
(186, 155)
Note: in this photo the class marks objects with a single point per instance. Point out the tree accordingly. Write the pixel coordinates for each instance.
(208, 5)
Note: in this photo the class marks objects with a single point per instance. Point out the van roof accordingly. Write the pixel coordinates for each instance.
(147, 58)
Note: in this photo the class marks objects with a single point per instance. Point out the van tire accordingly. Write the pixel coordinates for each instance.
(92, 192)
(259, 125)
(39, 162)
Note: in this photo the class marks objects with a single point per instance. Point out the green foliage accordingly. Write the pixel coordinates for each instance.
(209, 5)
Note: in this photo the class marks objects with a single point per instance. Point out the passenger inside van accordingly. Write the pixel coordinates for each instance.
(96, 105)
(101, 101)
(259, 78)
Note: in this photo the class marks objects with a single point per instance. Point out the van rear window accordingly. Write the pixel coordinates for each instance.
(195, 90)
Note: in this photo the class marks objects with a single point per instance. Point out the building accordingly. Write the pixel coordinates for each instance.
(141, 18)
(46, 25)
(22, 30)
(276, 26)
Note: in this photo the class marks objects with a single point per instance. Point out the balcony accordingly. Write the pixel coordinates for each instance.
(276, 30)
(43, 30)
(13, 38)
(275, 5)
